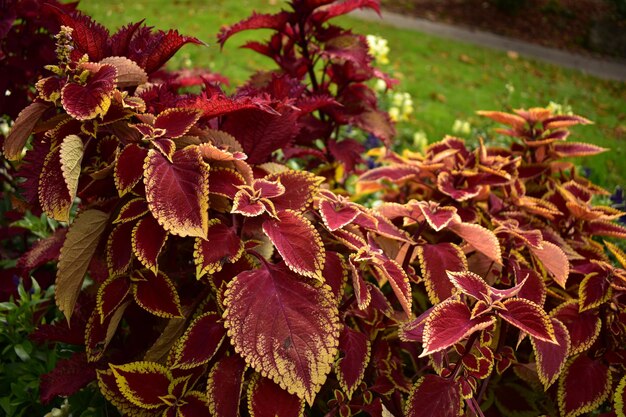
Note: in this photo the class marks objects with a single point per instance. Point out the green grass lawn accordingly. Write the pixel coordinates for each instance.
(448, 80)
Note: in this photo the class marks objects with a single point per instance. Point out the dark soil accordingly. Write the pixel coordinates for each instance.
(564, 24)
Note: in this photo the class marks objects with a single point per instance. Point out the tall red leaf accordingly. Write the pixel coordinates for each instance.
(354, 348)
(266, 399)
(178, 191)
(286, 327)
(434, 396)
(584, 384)
(448, 323)
(551, 357)
(435, 262)
(297, 241)
(224, 386)
(200, 341)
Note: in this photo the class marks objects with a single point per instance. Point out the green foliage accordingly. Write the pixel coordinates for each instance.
(23, 361)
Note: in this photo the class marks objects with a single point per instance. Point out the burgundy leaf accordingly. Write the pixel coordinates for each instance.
(285, 326)
(300, 188)
(224, 386)
(551, 357)
(297, 241)
(178, 191)
(84, 102)
(42, 251)
(354, 348)
(129, 167)
(156, 294)
(436, 260)
(470, 284)
(120, 249)
(584, 384)
(434, 396)
(148, 239)
(255, 21)
(132, 210)
(529, 317)
(267, 133)
(222, 245)
(200, 341)
(131, 380)
(448, 323)
(176, 121)
(582, 326)
(68, 376)
(267, 399)
(111, 294)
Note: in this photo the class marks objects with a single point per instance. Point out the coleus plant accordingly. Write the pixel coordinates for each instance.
(221, 282)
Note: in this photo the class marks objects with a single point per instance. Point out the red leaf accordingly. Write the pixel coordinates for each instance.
(551, 357)
(120, 249)
(89, 37)
(193, 404)
(225, 182)
(297, 241)
(67, 377)
(111, 294)
(335, 273)
(21, 130)
(84, 102)
(482, 239)
(267, 133)
(594, 290)
(266, 399)
(438, 217)
(605, 228)
(337, 215)
(555, 261)
(222, 245)
(337, 9)
(131, 381)
(176, 121)
(471, 284)
(200, 341)
(159, 48)
(255, 21)
(178, 192)
(148, 239)
(129, 167)
(398, 279)
(224, 386)
(584, 385)
(573, 149)
(448, 323)
(43, 251)
(436, 260)
(285, 326)
(582, 326)
(156, 294)
(361, 291)
(300, 188)
(434, 396)
(132, 210)
(395, 173)
(355, 350)
(529, 317)
(54, 195)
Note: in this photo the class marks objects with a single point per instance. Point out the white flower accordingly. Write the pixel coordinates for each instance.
(378, 48)
(461, 126)
(420, 140)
